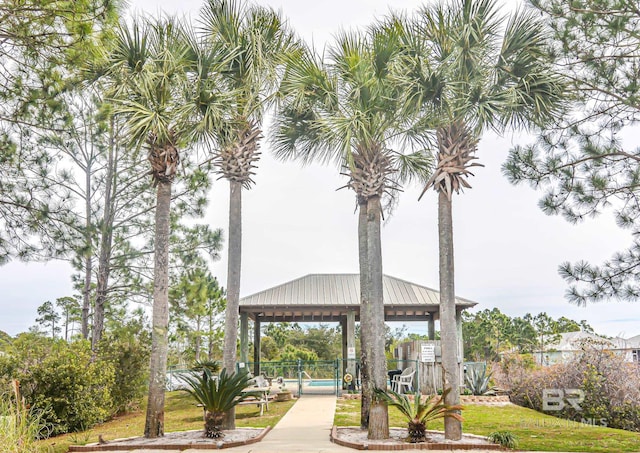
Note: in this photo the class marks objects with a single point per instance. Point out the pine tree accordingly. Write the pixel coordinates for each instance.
(584, 166)
(44, 46)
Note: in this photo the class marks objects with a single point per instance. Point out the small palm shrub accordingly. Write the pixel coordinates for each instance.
(478, 382)
(505, 438)
(217, 396)
(211, 365)
(420, 412)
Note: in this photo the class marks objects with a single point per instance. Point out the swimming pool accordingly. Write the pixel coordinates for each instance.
(311, 383)
(322, 383)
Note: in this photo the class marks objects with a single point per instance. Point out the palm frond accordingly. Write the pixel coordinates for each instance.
(351, 105)
(417, 166)
(219, 394)
(422, 411)
(263, 39)
(467, 64)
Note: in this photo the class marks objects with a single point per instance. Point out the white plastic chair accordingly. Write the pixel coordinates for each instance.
(260, 381)
(403, 380)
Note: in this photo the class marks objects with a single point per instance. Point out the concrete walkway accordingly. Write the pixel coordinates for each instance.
(305, 428)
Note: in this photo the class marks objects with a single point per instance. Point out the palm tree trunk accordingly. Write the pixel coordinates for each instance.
(233, 287)
(365, 405)
(154, 424)
(378, 414)
(448, 328)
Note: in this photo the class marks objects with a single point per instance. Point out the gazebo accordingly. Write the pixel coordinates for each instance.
(336, 298)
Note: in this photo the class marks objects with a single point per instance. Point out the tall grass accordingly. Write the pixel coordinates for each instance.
(20, 426)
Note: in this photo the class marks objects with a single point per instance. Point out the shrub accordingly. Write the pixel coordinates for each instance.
(212, 365)
(478, 382)
(75, 389)
(217, 396)
(61, 380)
(505, 438)
(421, 412)
(129, 357)
(610, 385)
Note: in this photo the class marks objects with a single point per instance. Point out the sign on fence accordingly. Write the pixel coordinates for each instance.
(428, 352)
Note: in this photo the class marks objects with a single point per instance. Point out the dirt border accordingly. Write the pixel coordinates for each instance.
(214, 445)
(371, 445)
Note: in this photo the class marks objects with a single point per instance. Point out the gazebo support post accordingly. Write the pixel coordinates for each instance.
(343, 330)
(431, 324)
(348, 325)
(460, 345)
(256, 347)
(244, 338)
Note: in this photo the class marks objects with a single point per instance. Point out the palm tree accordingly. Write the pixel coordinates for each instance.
(468, 73)
(261, 38)
(421, 412)
(218, 395)
(167, 90)
(347, 111)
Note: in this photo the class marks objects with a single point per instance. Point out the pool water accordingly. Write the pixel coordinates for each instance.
(314, 383)
(324, 383)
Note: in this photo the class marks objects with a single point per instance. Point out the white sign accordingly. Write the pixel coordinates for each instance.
(428, 352)
(351, 353)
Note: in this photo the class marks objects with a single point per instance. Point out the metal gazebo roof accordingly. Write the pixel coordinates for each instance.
(328, 297)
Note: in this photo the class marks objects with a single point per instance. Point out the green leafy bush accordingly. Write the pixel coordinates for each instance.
(505, 438)
(129, 357)
(61, 380)
(76, 390)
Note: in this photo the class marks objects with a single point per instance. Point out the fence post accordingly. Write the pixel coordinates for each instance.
(299, 377)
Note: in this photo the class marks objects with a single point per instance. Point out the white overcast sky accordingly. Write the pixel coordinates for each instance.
(295, 222)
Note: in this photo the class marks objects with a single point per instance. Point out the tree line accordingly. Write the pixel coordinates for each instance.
(489, 333)
(113, 128)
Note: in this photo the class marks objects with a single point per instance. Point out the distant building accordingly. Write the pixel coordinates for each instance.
(571, 343)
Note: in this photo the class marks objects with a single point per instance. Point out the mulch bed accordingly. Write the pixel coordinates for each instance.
(354, 437)
(179, 441)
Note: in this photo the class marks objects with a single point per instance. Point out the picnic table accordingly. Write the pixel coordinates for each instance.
(262, 401)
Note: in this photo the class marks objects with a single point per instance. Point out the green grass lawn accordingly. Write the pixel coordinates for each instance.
(181, 414)
(535, 431)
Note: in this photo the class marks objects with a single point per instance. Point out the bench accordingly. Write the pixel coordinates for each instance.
(262, 403)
